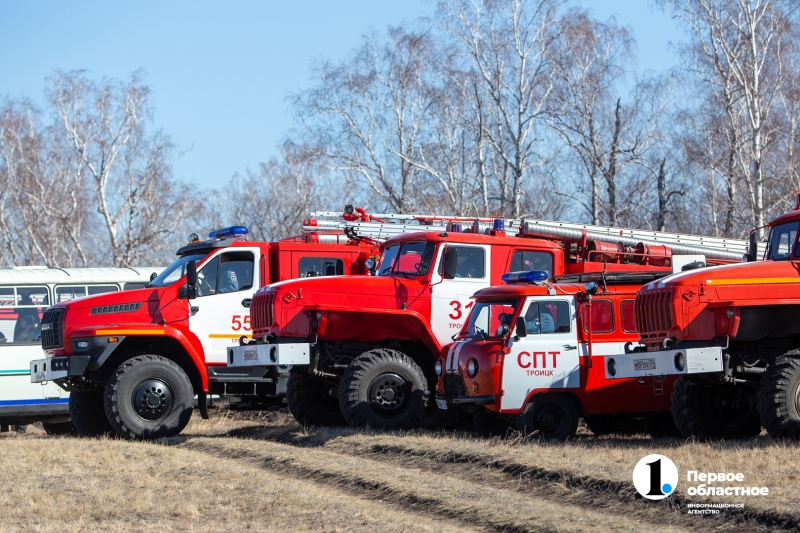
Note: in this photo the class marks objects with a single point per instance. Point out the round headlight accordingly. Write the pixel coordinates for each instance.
(612, 367)
(438, 367)
(370, 263)
(680, 361)
(472, 368)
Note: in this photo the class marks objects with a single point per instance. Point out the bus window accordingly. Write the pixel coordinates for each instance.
(100, 289)
(133, 286)
(64, 294)
(21, 309)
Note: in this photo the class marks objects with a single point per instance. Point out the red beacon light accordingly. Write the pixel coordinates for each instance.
(529, 276)
(233, 231)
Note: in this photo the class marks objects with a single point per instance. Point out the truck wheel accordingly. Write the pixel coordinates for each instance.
(88, 414)
(60, 428)
(707, 412)
(383, 388)
(149, 397)
(661, 426)
(779, 399)
(553, 416)
(313, 402)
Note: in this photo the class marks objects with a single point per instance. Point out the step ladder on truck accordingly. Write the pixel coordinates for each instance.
(363, 351)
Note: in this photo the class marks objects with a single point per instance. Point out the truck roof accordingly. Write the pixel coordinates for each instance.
(561, 289)
(475, 238)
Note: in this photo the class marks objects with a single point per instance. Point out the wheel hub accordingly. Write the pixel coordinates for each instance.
(152, 399)
(548, 420)
(388, 392)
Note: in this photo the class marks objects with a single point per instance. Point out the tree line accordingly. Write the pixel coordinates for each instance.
(515, 108)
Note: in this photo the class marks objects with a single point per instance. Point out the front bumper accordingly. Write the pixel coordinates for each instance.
(297, 353)
(58, 368)
(664, 363)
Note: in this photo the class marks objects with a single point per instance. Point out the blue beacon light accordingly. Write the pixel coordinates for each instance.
(530, 276)
(499, 224)
(233, 231)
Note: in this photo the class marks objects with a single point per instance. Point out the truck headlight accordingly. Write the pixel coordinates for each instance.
(680, 361)
(472, 367)
(438, 367)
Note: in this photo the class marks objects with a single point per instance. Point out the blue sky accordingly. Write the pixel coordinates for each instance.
(220, 71)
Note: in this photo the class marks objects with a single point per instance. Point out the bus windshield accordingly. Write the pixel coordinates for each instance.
(174, 272)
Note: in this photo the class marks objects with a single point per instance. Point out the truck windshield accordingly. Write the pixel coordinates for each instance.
(487, 317)
(174, 272)
(781, 240)
(414, 257)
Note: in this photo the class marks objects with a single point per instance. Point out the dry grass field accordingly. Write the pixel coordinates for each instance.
(263, 472)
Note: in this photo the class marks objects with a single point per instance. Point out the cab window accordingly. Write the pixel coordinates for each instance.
(547, 317)
(309, 267)
(602, 316)
(487, 317)
(781, 240)
(471, 262)
(229, 272)
(525, 260)
(627, 316)
(21, 310)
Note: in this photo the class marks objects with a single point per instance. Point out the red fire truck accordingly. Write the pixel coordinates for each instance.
(134, 360)
(732, 333)
(530, 357)
(364, 349)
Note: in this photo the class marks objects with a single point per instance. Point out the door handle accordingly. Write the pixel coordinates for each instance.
(567, 347)
(246, 302)
(194, 309)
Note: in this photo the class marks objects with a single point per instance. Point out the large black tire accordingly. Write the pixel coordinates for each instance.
(551, 416)
(88, 414)
(312, 401)
(149, 397)
(385, 389)
(60, 428)
(706, 412)
(779, 399)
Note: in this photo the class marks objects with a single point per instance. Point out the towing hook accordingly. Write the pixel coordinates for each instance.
(666, 343)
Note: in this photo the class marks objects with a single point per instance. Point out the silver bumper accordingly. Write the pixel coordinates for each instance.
(270, 354)
(664, 363)
(42, 370)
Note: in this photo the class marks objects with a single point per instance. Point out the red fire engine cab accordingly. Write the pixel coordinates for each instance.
(363, 349)
(732, 334)
(530, 357)
(134, 360)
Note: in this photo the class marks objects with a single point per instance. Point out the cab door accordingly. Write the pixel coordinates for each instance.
(450, 296)
(548, 357)
(220, 314)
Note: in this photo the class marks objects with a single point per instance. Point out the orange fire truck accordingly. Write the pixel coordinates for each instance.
(134, 360)
(363, 350)
(732, 334)
(530, 357)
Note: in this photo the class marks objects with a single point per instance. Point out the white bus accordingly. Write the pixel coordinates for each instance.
(25, 292)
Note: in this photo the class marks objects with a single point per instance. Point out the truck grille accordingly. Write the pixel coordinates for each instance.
(52, 326)
(454, 386)
(262, 311)
(653, 313)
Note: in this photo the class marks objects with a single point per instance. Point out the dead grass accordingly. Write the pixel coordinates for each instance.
(65, 484)
(432, 491)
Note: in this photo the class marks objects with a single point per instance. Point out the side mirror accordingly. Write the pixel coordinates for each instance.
(522, 327)
(191, 280)
(752, 250)
(153, 276)
(450, 263)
